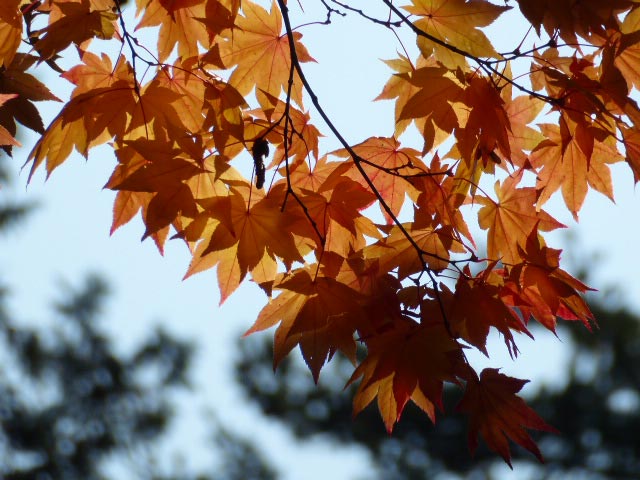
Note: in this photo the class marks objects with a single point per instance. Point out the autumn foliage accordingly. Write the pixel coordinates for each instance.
(217, 135)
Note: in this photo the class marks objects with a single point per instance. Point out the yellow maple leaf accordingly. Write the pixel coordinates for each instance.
(455, 22)
(179, 25)
(10, 30)
(261, 52)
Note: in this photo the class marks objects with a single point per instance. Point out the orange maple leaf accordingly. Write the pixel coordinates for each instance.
(437, 198)
(316, 312)
(10, 31)
(498, 414)
(179, 25)
(478, 304)
(163, 173)
(455, 22)
(409, 362)
(521, 111)
(627, 49)
(543, 290)
(335, 212)
(387, 165)
(126, 205)
(252, 233)
(400, 87)
(572, 158)
(302, 141)
(75, 22)
(511, 219)
(485, 122)
(438, 92)
(396, 251)
(220, 15)
(261, 52)
(97, 111)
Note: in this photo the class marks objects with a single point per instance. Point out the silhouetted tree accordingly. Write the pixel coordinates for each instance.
(71, 404)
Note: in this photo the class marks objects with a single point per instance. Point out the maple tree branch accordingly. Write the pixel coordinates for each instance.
(331, 11)
(295, 64)
(285, 140)
(440, 302)
(386, 23)
(134, 54)
(356, 158)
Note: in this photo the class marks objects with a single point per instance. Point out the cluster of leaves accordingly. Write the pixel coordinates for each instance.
(227, 77)
(596, 411)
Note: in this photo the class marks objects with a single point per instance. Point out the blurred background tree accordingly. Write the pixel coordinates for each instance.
(72, 405)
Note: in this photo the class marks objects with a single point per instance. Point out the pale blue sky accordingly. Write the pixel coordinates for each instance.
(68, 236)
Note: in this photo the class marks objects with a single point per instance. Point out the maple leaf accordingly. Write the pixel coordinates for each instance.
(335, 212)
(486, 125)
(154, 116)
(438, 91)
(214, 179)
(163, 173)
(543, 290)
(261, 52)
(566, 160)
(6, 139)
(400, 87)
(622, 49)
(521, 111)
(24, 89)
(437, 199)
(306, 178)
(126, 205)
(395, 250)
(318, 313)
(478, 304)
(223, 115)
(301, 143)
(74, 22)
(511, 219)
(252, 233)
(220, 15)
(96, 112)
(498, 414)
(569, 18)
(387, 166)
(409, 362)
(10, 31)
(187, 92)
(455, 22)
(179, 25)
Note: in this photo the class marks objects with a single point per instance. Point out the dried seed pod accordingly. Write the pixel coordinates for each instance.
(259, 151)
